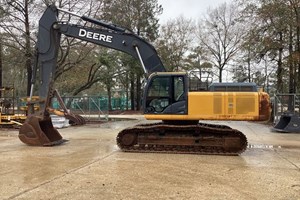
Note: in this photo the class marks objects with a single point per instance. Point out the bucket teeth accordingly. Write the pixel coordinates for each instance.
(39, 132)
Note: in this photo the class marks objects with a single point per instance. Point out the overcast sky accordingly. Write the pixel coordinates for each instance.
(188, 8)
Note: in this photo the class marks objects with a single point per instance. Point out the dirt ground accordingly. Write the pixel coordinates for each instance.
(90, 166)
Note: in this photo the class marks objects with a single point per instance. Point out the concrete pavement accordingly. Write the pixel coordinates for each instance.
(90, 166)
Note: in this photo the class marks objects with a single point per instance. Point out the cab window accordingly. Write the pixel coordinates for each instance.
(158, 94)
(178, 88)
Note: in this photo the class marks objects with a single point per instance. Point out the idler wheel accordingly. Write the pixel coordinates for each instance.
(128, 139)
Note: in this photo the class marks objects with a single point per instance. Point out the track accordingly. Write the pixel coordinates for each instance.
(192, 139)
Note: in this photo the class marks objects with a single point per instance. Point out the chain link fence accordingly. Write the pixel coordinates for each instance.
(89, 107)
(93, 107)
(285, 103)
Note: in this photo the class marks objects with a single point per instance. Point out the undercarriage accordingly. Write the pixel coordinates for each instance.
(192, 139)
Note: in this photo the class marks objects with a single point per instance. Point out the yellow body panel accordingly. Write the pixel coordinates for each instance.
(252, 106)
(224, 105)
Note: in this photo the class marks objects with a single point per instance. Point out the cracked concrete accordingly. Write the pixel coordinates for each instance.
(90, 166)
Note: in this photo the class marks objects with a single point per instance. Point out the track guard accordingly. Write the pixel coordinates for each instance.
(39, 132)
(288, 123)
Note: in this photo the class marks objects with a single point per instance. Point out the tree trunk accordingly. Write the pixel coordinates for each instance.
(29, 74)
(127, 91)
(291, 64)
(249, 66)
(109, 97)
(298, 56)
(297, 62)
(132, 96)
(28, 54)
(127, 98)
(220, 74)
(1, 67)
(291, 71)
(280, 67)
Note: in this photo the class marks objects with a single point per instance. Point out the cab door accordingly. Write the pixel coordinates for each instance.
(166, 94)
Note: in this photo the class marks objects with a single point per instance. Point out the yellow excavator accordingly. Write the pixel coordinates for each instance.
(166, 97)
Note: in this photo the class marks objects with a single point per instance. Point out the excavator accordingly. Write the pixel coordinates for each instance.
(166, 96)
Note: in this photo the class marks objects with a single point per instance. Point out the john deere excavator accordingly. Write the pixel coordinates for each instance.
(166, 97)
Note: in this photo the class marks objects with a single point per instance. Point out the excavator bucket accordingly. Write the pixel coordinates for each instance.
(39, 132)
(288, 123)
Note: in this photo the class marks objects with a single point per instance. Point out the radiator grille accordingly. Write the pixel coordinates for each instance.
(218, 104)
(245, 104)
(233, 104)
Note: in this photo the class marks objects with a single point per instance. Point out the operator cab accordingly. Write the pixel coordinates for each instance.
(166, 93)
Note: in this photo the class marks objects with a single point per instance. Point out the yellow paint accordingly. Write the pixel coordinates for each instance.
(220, 106)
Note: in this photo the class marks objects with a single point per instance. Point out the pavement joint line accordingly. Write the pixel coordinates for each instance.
(284, 158)
(254, 132)
(61, 175)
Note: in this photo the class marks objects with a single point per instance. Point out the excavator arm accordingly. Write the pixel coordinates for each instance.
(38, 128)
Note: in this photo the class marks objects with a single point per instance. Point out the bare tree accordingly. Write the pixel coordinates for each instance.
(221, 33)
(16, 24)
(175, 41)
(1, 66)
(1, 50)
(277, 36)
(140, 16)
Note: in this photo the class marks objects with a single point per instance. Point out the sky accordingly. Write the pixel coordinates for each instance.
(188, 8)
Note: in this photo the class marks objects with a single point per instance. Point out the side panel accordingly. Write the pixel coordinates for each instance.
(223, 106)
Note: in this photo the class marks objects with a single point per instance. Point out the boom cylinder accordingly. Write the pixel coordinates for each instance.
(95, 21)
